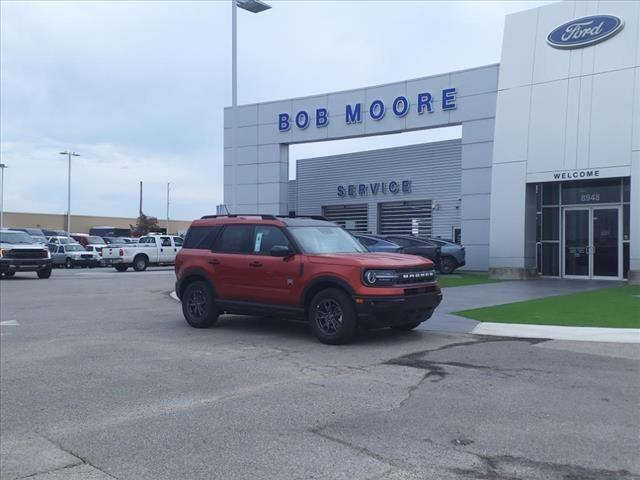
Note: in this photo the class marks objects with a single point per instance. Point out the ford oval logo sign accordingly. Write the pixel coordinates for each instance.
(585, 31)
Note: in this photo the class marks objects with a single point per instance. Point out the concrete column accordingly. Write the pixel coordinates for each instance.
(634, 226)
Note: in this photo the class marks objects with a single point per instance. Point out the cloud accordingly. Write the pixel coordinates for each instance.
(138, 88)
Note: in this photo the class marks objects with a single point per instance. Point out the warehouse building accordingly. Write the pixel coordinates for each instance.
(544, 180)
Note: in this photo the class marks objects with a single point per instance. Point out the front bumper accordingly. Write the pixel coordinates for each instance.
(24, 264)
(417, 305)
(113, 261)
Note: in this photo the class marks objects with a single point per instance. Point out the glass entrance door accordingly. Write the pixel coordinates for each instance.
(592, 245)
(576, 243)
(606, 242)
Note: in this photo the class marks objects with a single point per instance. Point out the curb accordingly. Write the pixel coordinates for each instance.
(580, 334)
(174, 296)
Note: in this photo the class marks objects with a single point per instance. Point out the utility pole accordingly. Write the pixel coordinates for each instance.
(69, 154)
(140, 209)
(168, 184)
(2, 167)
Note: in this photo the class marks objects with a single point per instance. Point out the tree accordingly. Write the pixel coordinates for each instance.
(144, 225)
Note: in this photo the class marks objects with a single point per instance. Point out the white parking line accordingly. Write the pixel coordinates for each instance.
(9, 323)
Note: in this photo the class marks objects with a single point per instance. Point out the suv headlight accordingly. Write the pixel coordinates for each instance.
(379, 278)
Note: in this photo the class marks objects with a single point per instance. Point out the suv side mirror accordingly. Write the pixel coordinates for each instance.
(281, 251)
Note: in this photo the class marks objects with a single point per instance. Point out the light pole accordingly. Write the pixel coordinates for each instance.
(2, 167)
(253, 6)
(168, 184)
(69, 154)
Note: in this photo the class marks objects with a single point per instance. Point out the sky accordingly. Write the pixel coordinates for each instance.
(138, 88)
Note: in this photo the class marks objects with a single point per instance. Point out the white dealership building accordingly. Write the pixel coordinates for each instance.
(544, 180)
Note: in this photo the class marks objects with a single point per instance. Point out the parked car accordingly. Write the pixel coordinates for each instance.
(54, 233)
(35, 233)
(73, 255)
(376, 244)
(416, 246)
(98, 250)
(20, 253)
(114, 240)
(84, 239)
(150, 250)
(60, 240)
(300, 267)
(452, 255)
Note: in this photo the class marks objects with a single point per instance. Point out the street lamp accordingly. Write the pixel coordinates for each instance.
(253, 6)
(69, 154)
(2, 167)
(168, 185)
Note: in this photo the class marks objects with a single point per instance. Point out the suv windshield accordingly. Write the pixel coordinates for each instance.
(94, 239)
(15, 237)
(325, 240)
(74, 248)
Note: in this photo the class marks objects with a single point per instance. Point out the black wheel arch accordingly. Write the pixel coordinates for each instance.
(193, 275)
(321, 283)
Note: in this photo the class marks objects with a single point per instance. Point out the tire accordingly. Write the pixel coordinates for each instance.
(447, 265)
(121, 268)
(199, 306)
(68, 263)
(140, 263)
(332, 316)
(405, 327)
(46, 273)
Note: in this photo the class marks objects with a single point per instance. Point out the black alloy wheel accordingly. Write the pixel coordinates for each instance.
(447, 265)
(332, 317)
(198, 305)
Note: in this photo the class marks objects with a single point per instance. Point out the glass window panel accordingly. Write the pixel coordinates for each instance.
(550, 259)
(591, 191)
(626, 218)
(538, 197)
(625, 259)
(626, 189)
(538, 227)
(551, 223)
(550, 194)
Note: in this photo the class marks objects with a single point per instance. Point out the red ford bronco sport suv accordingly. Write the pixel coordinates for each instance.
(301, 267)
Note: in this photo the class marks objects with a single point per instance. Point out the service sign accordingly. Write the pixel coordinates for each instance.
(585, 31)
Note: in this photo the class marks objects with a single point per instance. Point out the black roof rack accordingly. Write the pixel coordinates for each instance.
(312, 217)
(264, 216)
(236, 215)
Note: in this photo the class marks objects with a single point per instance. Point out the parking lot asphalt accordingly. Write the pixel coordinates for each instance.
(101, 378)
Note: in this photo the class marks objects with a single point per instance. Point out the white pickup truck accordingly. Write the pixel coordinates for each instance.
(150, 250)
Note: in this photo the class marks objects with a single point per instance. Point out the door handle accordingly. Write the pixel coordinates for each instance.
(214, 262)
(161, 250)
(255, 264)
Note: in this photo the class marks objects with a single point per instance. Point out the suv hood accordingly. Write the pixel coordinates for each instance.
(22, 246)
(371, 260)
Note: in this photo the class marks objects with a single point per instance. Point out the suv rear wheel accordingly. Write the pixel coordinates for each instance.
(199, 306)
(333, 317)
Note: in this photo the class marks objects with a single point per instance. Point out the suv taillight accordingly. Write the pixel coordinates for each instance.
(122, 252)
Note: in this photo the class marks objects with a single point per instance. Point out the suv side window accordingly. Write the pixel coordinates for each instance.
(177, 241)
(235, 239)
(200, 237)
(266, 237)
(367, 242)
(166, 241)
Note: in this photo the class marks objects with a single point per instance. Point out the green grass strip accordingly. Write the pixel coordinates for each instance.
(464, 278)
(617, 307)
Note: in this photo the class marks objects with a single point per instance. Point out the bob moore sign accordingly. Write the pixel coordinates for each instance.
(585, 31)
(376, 110)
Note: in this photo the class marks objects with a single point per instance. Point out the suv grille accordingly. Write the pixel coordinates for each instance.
(415, 275)
(26, 253)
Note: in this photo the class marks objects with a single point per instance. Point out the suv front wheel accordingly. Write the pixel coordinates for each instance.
(198, 305)
(332, 317)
